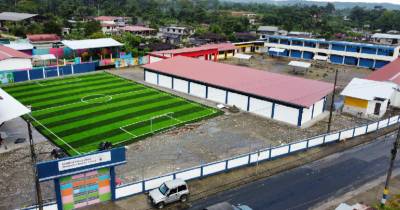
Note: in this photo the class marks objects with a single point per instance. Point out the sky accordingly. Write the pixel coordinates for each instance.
(363, 1)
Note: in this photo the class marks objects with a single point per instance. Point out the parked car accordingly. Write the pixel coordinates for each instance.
(227, 206)
(169, 192)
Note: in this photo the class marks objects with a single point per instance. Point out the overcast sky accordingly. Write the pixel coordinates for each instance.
(365, 1)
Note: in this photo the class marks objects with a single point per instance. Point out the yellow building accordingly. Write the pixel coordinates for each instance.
(367, 98)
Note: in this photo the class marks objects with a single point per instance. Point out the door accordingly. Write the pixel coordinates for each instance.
(377, 108)
(172, 196)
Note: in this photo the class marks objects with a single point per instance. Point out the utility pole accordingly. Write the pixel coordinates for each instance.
(389, 174)
(332, 103)
(33, 158)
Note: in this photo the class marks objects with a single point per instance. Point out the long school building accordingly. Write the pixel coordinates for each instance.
(336, 52)
(288, 99)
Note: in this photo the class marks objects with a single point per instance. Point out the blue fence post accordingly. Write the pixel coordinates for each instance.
(308, 140)
(323, 140)
(340, 134)
(354, 131)
(377, 126)
(366, 129)
(201, 171)
(388, 122)
(143, 186)
(226, 165)
(290, 146)
(270, 151)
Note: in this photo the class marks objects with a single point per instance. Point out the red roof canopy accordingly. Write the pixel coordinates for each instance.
(43, 37)
(390, 72)
(288, 89)
(6, 53)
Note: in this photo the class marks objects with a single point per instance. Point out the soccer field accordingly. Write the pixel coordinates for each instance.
(78, 113)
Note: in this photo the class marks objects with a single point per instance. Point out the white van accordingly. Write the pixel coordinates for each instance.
(168, 192)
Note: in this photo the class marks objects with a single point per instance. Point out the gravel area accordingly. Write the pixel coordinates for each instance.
(225, 136)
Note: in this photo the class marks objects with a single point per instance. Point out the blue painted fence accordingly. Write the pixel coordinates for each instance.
(48, 72)
(248, 159)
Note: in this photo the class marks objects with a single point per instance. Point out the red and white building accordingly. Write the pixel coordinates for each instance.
(43, 41)
(292, 100)
(11, 59)
(139, 30)
(204, 52)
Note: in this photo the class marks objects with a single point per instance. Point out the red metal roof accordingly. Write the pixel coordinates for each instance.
(390, 72)
(221, 46)
(43, 37)
(6, 53)
(137, 28)
(289, 89)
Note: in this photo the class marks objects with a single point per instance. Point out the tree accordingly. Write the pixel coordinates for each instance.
(52, 27)
(91, 27)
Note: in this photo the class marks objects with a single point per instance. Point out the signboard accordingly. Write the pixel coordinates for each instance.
(74, 165)
(85, 189)
(84, 161)
(83, 180)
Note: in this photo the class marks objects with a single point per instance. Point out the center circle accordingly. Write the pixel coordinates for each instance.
(96, 98)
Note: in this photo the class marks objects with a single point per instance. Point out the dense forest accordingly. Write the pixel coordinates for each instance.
(204, 15)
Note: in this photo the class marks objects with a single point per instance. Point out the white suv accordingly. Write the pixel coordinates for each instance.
(168, 192)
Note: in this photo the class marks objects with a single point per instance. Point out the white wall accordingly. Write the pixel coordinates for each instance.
(307, 113)
(15, 63)
(395, 99)
(181, 85)
(261, 107)
(217, 95)
(371, 108)
(238, 100)
(319, 108)
(151, 77)
(286, 114)
(197, 90)
(165, 81)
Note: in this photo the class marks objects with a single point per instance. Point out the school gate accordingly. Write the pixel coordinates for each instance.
(83, 180)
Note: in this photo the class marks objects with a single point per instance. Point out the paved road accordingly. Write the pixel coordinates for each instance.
(303, 187)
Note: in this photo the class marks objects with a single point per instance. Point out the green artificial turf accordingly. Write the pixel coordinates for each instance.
(78, 113)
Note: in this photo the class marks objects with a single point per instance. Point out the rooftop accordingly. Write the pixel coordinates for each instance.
(368, 89)
(10, 108)
(386, 36)
(268, 28)
(137, 28)
(20, 45)
(390, 72)
(183, 50)
(107, 18)
(15, 16)
(91, 43)
(7, 53)
(43, 37)
(283, 88)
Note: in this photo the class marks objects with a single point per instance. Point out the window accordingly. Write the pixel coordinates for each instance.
(163, 189)
(172, 191)
(182, 188)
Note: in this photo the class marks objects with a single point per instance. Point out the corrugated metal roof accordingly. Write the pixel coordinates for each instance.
(390, 72)
(184, 50)
(385, 36)
(10, 108)
(15, 16)
(137, 28)
(20, 45)
(7, 53)
(287, 89)
(268, 28)
(43, 37)
(91, 43)
(368, 89)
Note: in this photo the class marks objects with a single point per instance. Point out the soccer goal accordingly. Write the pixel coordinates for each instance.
(151, 125)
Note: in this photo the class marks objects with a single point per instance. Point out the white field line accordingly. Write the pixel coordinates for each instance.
(79, 102)
(109, 98)
(58, 83)
(152, 118)
(54, 134)
(171, 126)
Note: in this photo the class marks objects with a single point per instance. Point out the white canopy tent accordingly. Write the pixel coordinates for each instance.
(242, 56)
(91, 43)
(10, 108)
(300, 64)
(277, 50)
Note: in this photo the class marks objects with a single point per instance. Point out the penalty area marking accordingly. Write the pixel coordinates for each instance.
(150, 120)
(107, 98)
(51, 132)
